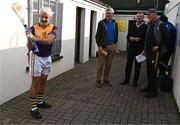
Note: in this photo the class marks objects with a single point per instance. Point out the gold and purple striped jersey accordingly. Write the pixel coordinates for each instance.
(39, 32)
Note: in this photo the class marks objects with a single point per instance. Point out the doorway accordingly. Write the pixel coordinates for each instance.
(78, 32)
(79, 35)
(92, 42)
(130, 24)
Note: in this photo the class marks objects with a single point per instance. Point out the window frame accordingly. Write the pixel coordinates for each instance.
(56, 47)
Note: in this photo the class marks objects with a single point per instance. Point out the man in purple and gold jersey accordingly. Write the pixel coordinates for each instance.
(40, 40)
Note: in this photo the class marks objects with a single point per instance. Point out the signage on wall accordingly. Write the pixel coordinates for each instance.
(122, 25)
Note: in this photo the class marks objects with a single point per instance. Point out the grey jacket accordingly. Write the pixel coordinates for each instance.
(101, 33)
(160, 34)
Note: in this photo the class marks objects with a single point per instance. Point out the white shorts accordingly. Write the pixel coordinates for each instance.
(39, 65)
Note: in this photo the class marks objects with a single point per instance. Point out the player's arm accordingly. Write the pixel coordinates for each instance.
(29, 44)
(29, 36)
(45, 41)
(49, 40)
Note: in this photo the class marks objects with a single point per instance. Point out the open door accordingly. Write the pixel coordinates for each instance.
(92, 33)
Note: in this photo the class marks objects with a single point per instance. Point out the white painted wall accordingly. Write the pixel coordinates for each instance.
(171, 11)
(122, 42)
(13, 59)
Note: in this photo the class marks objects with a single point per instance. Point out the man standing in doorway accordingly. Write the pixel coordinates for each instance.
(106, 39)
(136, 36)
(40, 39)
(155, 41)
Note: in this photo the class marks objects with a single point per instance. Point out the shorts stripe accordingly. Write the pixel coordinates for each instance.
(32, 63)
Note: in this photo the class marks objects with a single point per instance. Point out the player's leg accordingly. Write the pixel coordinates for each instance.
(35, 70)
(44, 74)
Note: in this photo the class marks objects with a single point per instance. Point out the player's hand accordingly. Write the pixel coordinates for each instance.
(31, 37)
(155, 48)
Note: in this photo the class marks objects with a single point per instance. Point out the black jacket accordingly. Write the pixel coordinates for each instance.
(135, 31)
(101, 33)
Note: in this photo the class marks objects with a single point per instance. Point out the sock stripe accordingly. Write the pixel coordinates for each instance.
(33, 102)
(40, 98)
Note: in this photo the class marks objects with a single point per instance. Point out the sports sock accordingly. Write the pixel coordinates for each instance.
(40, 98)
(33, 103)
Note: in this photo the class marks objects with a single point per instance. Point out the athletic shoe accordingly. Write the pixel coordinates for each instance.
(44, 105)
(35, 114)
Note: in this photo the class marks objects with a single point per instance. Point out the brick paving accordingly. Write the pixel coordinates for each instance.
(76, 100)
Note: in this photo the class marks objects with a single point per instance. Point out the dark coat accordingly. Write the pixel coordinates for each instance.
(101, 33)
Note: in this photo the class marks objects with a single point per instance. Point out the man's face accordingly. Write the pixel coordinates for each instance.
(109, 15)
(139, 17)
(44, 19)
(152, 17)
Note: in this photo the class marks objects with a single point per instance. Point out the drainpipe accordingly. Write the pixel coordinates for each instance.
(30, 14)
(157, 4)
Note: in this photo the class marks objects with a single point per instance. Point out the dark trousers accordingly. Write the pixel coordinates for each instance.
(128, 69)
(164, 59)
(151, 74)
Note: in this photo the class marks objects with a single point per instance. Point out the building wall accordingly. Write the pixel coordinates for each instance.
(172, 13)
(14, 80)
(122, 42)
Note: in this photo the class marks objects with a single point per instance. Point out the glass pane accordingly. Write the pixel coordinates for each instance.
(56, 50)
(45, 3)
(53, 8)
(35, 18)
(35, 4)
(40, 4)
(53, 20)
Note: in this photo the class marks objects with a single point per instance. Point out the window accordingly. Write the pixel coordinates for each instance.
(56, 7)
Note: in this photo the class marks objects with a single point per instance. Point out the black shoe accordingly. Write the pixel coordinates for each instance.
(124, 83)
(35, 114)
(98, 84)
(44, 105)
(134, 84)
(150, 95)
(144, 90)
(108, 83)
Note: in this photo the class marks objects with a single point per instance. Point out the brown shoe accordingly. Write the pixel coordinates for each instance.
(108, 83)
(98, 84)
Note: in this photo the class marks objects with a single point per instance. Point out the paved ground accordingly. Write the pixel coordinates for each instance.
(76, 100)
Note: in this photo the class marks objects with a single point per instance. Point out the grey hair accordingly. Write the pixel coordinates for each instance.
(46, 10)
(110, 9)
(140, 12)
